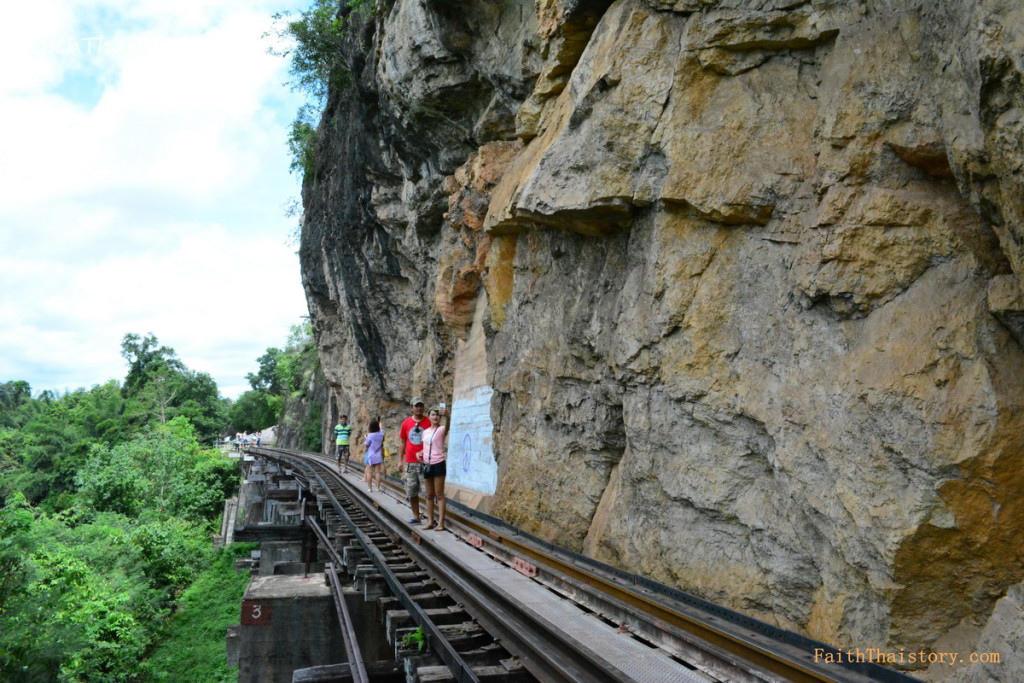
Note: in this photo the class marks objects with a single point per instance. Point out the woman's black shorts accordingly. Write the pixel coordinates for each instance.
(436, 470)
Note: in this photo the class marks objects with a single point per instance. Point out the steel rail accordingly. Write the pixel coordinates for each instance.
(540, 646)
(357, 667)
(722, 630)
(460, 669)
(760, 655)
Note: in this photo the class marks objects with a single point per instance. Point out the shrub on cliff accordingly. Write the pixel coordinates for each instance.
(315, 40)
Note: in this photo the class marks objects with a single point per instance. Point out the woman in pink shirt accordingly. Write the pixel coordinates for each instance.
(434, 469)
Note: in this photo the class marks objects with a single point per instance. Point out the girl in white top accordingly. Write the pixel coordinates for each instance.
(434, 466)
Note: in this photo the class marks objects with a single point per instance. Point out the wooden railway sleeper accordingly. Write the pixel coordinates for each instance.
(461, 669)
(434, 599)
(485, 658)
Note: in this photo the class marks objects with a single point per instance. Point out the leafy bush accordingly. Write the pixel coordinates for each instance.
(255, 410)
(125, 499)
(317, 38)
(171, 551)
(302, 142)
(163, 471)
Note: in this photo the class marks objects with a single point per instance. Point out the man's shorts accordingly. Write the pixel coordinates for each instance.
(342, 452)
(413, 479)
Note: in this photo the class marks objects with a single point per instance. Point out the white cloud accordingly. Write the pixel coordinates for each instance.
(141, 186)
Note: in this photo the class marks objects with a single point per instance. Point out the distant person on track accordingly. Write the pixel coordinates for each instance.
(410, 443)
(342, 432)
(434, 465)
(374, 455)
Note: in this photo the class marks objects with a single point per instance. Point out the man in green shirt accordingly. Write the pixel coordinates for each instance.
(342, 430)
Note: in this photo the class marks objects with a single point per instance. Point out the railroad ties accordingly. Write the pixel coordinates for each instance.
(487, 602)
(416, 609)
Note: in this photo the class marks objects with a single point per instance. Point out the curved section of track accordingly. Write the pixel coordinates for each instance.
(708, 641)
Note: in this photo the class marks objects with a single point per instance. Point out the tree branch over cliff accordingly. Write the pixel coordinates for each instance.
(314, 42)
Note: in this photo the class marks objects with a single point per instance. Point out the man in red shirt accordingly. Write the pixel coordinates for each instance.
(410, 438)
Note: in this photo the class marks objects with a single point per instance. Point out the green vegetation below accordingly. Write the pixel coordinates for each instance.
(193, 646)
(85, 590)
(109, 497)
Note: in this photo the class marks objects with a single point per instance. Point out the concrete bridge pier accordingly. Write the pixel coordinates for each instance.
(288, 623)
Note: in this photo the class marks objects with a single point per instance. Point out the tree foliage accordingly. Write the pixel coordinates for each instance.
(45, 441)
(12, 396)
(316, 42)
(164, 471)
(82, 592)
(82, 595)
(255, 410)
(194, 647)
(159, 387)
(146, 359)
(282, 374)
(268, 377)
(316, 53)
(107, 502)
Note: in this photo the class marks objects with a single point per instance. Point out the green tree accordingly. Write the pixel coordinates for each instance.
(172, 550)
(316, 50)
(164, 472)
(146, 359)
(159, 387)
(125, 501)
(300, 359)
(200, 402)
(54, 448)
(52, 440)
(255, 410)
(268, 378)
(15, 521)
(113, 480)
(302, 139)
(13, 395)
(316, 38)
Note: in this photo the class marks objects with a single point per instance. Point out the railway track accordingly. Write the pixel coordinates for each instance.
(479, 628)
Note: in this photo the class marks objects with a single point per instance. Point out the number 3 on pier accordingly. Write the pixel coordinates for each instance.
(255, 613)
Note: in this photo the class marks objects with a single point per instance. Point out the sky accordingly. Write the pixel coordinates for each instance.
(144, 187)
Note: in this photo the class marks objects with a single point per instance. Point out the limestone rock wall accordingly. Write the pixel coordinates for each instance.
(753, 275)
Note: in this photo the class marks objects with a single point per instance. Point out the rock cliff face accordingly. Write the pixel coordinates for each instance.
(750, 274)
